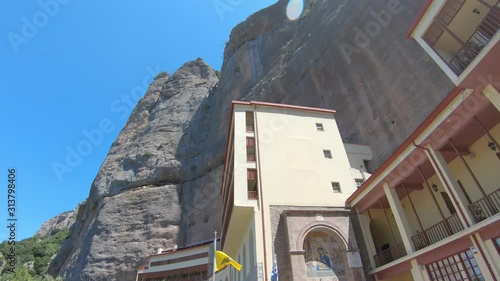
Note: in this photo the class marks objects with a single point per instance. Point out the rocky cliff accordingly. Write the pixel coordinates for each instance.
(159, 184)
(59, 222)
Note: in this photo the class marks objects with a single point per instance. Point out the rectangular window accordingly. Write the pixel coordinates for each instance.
(327, 153)
(359, 182)
(461, 266)
(336, 187)
(249, 121)
(250, 149)
(319, 127)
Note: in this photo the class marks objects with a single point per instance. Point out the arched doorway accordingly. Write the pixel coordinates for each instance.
(325, 254)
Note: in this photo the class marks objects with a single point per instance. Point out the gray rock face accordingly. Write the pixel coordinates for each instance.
(351, 56)
(59, 222)
(134, 206)
(159, 184)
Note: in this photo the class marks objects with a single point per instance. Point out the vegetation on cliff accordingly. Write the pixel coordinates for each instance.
(33, 256)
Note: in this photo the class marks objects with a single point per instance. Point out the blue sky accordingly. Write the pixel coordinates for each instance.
(64, 66)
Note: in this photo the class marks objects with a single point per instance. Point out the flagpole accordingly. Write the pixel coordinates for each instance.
(215, 249)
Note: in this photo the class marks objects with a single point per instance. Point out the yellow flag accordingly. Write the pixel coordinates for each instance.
(222, 260)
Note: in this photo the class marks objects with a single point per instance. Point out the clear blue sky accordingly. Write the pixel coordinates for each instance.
(64, 65)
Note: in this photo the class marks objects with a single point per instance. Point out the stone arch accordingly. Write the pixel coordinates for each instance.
(325, 251)
(325, 226)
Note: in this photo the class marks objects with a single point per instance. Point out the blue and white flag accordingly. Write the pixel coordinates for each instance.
(274, 274)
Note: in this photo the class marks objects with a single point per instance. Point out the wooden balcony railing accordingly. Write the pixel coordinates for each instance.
(437, 232)
(471, 48)
(486, 207)
(250, 158)
(391, 254)
(252, 195)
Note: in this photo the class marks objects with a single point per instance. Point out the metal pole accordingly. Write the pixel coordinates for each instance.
(388, 222)
(487, 132)
(485, 196)
(448, 228)
(416, 215)
(214, 260)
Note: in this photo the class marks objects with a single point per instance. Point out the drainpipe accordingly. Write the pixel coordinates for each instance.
(261, 195)
(444, 182)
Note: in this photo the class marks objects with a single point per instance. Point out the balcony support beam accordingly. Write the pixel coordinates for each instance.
(493, 95)
(450, 185)
(446, 223)
(399, 215)
(492, 139)
(471, 173)
(416, 215)
(388, 222)
(365, 221)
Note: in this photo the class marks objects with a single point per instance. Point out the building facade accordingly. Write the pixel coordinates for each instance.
(186, 264)
(431, 211)
(286, 178)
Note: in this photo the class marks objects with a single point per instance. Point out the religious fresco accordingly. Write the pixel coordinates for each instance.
(323, 255)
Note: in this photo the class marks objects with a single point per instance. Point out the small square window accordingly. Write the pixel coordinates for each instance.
(359, 182)
(319, 127)
(327, 153)
(336, 187)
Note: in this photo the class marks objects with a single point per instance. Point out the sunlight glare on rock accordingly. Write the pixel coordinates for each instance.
(294, 9)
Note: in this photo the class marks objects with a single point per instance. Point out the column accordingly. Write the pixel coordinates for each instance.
(367, 236)
(483, 258)
(451, 186)
(416, 271)
(399, 215)
(493, 95)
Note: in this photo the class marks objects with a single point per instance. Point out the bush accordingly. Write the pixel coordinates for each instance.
(161, 75)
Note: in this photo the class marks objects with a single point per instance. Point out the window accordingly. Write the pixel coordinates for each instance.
(359, 182)
(250, 149)
(249, 121)
(336, 187)
(461, 266)
(319, 127)
(327, 153)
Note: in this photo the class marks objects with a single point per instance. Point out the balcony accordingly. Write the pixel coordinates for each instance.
(437, 232)
(391, 254)
(461, 30)
(256, 273)
(486, 207)
(252, 195)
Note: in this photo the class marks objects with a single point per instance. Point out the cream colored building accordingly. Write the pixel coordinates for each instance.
(431, 211)
(286, 179)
